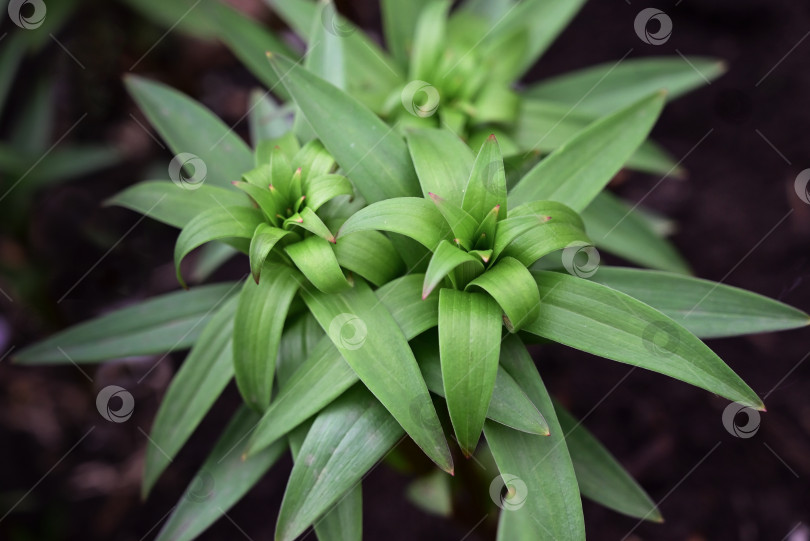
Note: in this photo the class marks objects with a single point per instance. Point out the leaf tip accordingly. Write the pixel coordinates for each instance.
(492, 137)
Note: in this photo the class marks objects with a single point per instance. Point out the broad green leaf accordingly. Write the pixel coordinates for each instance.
(307, 219)
(258, 324)
(600, 477)
(249, 41)
(173, 205)
(442, 161)
(543, 494)
(413, 217)
(444, 261)
(605, 322)
(512, 286)
(201, 379)
(324, 188)
(707, 309)
(432, 493)
(536, 217)
(486, 187)
(577, 171)
(223, 479)
(325, 375)
(394, 378)
(212, 256)
(347, 438)
(373, 155)
(461, 223)
(190, 128)
(546, 126)
(399, 24)
(371, 255)
(618, 228)
(265, 238)
(509, 404)
(428, 40)
(315, 258)
(607, 87)
(543, 21)
(469, 345)
(265, 199)
(214, 224)
(161, 324)
(69, 162)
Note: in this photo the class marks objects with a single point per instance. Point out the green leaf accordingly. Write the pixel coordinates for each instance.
(265, 238)
(626, 330)
(600, 477)
(249, 41)
(324, 188)
(258, 324)
(607, 87)
(394, 378)
(469, 345)
(266, 200)
(212, 256)
(344, 443)
(445, 260)
(188, 127)
(267, 121)
(486, 187)
(442, 161)
(223, 479)
(536, 218)
(214, 224)
(371, 255)
(543, 21)
(432, 493)
(315, 258)
(509, 404)
(325, 375)
(161, 324)
(193, 390)
(462, 224)
(414, 217)
(371, 153)
(544, 498)
(399, 24)
(307, 219)
(512, 286)
(707, 309)
(545, 126)
(577, 171)
(171, 204)
(428, 40)
(617, 228)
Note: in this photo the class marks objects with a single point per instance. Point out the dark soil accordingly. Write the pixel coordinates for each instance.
(76, 476)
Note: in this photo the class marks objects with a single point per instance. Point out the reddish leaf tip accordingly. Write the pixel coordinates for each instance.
(300, 220)
(234, 182)
(332, 239)
(491, 137)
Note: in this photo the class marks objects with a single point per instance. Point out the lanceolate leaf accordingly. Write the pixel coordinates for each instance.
(324, 188)
(708, 309)
(161, 324)
(486, 187)
(446, 259)
(171, 204)
(577, 171)
(428, 40)
(545, 498)
(249, 41)
(607, 87)
(617, 228)
(215, 224)
(257, 331)
(267, 120)
(536, 218)
(373, 155)
(188, 127)
(194, 389)
(600, 477)
(461, 223)
(265, 237)
(442, 161)
(316, 259)
(605, 322)
(509, 404)
(395, 378)
(344, 443)
(512, 286)
(414, 217)
(469, 345)
(371, 255)
(223, 479)
(399, 23)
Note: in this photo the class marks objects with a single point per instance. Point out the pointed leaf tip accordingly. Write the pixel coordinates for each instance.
(492, 137)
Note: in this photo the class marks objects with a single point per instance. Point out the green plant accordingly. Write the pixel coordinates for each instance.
(386, 266)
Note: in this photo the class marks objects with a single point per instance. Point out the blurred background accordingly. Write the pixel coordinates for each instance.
(70, 137)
